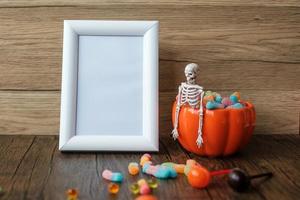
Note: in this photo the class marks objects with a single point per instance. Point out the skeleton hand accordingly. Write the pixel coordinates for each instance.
(175, 134)
(199, 141)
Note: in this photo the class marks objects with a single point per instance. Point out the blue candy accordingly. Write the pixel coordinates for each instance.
(234, 99)
(218, 99)
(159, 171)
(211, 105)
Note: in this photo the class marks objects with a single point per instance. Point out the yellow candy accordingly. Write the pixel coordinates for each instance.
(141, 182)
(135, 188)
(152, 183)
(113, 188)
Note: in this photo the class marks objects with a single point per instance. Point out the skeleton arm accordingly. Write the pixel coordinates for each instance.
(199, 138)
(175, 133)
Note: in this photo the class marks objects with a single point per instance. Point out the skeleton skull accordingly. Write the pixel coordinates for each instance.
(191, 72)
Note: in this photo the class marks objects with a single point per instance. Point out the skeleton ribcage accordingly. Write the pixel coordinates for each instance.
(190, 94)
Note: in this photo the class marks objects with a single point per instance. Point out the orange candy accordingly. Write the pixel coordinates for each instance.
(113, 188)
(72, 194)
(199, 177)
(179, 168)
(133, 168)
(208, 98)
(145, 158)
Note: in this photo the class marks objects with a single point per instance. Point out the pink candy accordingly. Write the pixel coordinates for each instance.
(144, 187)
(226, 101)
(112, 176)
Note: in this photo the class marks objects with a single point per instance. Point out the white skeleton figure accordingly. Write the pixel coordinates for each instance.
(190, 93)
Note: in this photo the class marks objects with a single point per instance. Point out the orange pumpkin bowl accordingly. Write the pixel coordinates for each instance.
(224, 132)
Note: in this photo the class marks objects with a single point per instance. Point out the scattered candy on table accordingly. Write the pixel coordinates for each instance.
(197, 176)
(133, 168)
(179, 168)
(145, 158)
(72, 194)
(112, 176)
(158, 171)
(152, 183)
(189, 164)
(144, 187)
(113, 188)
(135, 188)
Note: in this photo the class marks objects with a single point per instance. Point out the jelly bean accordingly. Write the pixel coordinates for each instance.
(226, 101)
(236, 106)
(179, 168)
(152, 183)
(215, 94)
(144, 187)
(189, 165)
(133, 168)
(159, 171)
(72, 194)
(208, 98)
(237, 94)
(113, 188)
(234, 99)
(218, 99)
(198, 177)
(146, 197)
(145, 158)
(112, 176)
(211, 105)
(135, 188)
(208, 93)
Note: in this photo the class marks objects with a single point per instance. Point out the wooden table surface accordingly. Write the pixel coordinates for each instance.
(33, 168)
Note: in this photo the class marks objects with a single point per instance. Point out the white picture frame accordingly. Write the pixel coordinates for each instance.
(79, 85)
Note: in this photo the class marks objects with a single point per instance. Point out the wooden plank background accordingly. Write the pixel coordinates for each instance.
(248, 46)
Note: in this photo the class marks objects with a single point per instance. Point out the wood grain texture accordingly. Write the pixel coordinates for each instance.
(260, 40)
(240, 45)
(33, 168)
(64, 3)
(29, 112)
